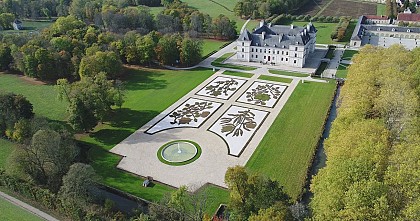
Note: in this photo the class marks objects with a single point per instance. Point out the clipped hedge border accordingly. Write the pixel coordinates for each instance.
(197, 155)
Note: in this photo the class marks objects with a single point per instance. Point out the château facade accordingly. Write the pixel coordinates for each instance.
(277, 45)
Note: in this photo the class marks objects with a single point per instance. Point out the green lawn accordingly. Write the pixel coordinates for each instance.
(276, 79)
(348, 54)
(30, 26)
(156, 10)
(219, 60)
(294, 74)
(141, 105)
(380, 9)
(43, 97)
(239, 74)
(216, 196)
(252, 24)
(342, 71)
(11, 212)
(285, 152)
(211, 45)
(6, 148)
(323, 36)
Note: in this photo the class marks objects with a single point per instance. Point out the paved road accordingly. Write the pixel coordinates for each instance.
(27, 207)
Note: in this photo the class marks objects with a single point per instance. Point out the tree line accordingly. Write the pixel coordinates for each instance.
(265, 8)
(373, 151)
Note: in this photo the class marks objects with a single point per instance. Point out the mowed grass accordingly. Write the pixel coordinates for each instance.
(342, 71)
(148, 92)
(323, 36)
(216, 7)
(216, 196)
(238, 74)
(31, 26)
(6, 148)
(348, 54)
(210, 45)
(11, 212)
(288, 73)
(380, 9)
(276, 79)
(43, 97)
(285, 152)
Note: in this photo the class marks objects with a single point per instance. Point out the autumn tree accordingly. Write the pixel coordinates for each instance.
(250, 193)
(47, 157)
(90, 100)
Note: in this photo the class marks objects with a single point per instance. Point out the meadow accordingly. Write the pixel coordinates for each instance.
(285, 152)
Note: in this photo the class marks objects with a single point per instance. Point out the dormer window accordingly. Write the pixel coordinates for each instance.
(378, 29)
(408, 30)
(393, 29)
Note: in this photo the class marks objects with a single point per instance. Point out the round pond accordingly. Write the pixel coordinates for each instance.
(179, 151)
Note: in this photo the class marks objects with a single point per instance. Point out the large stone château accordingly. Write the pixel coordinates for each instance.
(277, 45)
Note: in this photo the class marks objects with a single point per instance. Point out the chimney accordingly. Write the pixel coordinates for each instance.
(269, 25)
(308, 27)
(262, 23)
(291, 26)
(263, 35)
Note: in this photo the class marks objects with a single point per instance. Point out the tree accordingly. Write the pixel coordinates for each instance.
(6, 20)
(5, 57)
(190, 52)
(180, 205)
(224, 28)
(47, 158)
(90, 100)
(78, 184)
(12, 109)
(251, 193)
(167, 49)
(107, 62)
(278, 212)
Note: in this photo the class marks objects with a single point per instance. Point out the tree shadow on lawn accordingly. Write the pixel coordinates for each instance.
(122, 124)
(142, 79)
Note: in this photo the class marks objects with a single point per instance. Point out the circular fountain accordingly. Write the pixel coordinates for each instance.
(179, 152)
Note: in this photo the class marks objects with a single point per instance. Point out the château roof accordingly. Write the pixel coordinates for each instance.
(279, 35)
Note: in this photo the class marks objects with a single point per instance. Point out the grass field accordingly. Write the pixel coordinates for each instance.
(211, 45)
(216, 7)
(294, 74)
(323, 36)
(238, 74)
(6, 148)
(141, 105)
(11, 212)
(286, 150)
(380, 9)
(43, 97)
(276, 79)
(31, 26)
(348, 54)
(342, 71)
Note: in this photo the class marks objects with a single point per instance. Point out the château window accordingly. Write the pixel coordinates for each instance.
(294, 61)
(243, 44)
(243, 50)
(295, 55)
(295, 48)
(252, 49)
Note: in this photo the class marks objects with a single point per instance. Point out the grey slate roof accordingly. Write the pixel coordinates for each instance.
(361, 27)
(392, 28)
(280, 36)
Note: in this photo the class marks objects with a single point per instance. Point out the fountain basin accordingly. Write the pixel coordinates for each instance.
(179, 152)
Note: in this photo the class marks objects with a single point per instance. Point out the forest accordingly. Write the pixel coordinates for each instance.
(373, 152)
